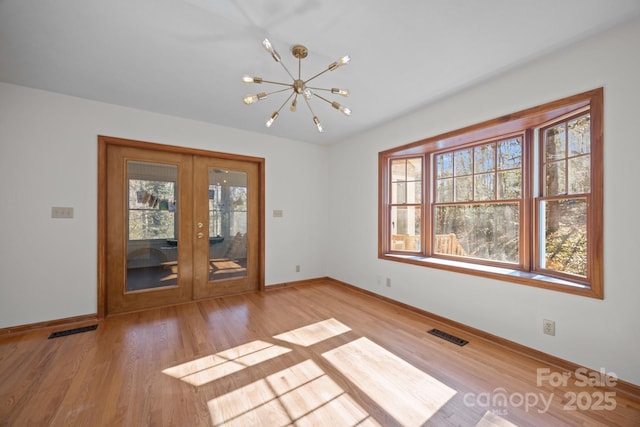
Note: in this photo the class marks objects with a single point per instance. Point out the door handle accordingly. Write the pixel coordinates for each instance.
(200, 235)
(200, 225)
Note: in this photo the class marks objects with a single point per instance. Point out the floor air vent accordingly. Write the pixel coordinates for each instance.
(448, 337)
(73, 331)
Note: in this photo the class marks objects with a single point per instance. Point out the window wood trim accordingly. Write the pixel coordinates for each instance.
(525, 120)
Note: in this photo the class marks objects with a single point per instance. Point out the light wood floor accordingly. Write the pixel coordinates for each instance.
(319, 354)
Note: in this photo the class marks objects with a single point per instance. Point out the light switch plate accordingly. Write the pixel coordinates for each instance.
(61, 212)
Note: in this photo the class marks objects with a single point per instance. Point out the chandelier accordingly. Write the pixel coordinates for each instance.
(298, 86)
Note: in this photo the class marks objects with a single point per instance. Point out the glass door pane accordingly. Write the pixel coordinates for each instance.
(152, 226)
(227, 195)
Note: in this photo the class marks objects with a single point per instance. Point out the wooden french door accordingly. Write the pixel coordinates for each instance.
(176, 225)
(226, 246)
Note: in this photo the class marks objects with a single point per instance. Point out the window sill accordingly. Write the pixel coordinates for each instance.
(499, 273)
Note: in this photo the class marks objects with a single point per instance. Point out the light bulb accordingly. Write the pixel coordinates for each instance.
(339, 63)
(249, 79)
(293, 105)
(343, 92)
(307, 93)
(267, 45)
(271, 119)
(344, 110)
(250, 99)
(344, 60)
(317, 122)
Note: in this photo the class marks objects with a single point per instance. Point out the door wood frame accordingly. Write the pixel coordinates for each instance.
(103, 143)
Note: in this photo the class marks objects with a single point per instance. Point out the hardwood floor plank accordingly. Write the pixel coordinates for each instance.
(260, 359)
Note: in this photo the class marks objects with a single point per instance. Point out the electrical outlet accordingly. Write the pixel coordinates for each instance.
(388, 282)
(549, 327)
(298, 268)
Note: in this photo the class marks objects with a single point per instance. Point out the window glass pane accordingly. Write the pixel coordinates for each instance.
(555, 143)
(406, 184)
(580, 136)
(580, 175)
(484, 158)
(556, 179)
(510, 154)
(444, 192)
(464, 189)
(398, 170)
(463, 162)
(510, 184)
(564, 227)
(414, 192)
(414, 169)
(228, 226)
(151, 209)
(405, 228)
(484, 231)
(238, 210)
(215, 209)
(398, 192)
(151, 224)
(484, 184)
(152, 243)
(444, 165)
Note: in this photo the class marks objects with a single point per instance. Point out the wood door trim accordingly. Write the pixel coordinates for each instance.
(103, 143)
(177, 149)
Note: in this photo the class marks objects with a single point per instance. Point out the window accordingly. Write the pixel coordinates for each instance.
(518, 198)
(478, 201)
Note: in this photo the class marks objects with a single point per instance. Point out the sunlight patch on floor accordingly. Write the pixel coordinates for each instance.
(492, 420)
(406, 393)
(210, 368)
(302, 394)
(314, 333)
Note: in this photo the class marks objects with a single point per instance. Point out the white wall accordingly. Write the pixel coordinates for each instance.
(590, 332)
(48, 157)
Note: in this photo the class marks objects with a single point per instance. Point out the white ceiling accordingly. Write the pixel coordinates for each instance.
(186, 58)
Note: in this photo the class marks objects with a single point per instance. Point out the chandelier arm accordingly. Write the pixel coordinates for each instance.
(344, 110)
(324, 99)
(317, 75)
(309, 105)
(285, 102)
(320, 88)
(334, 90)
(287, 70)
(277, 91)
(278, 83)
(315, 118)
